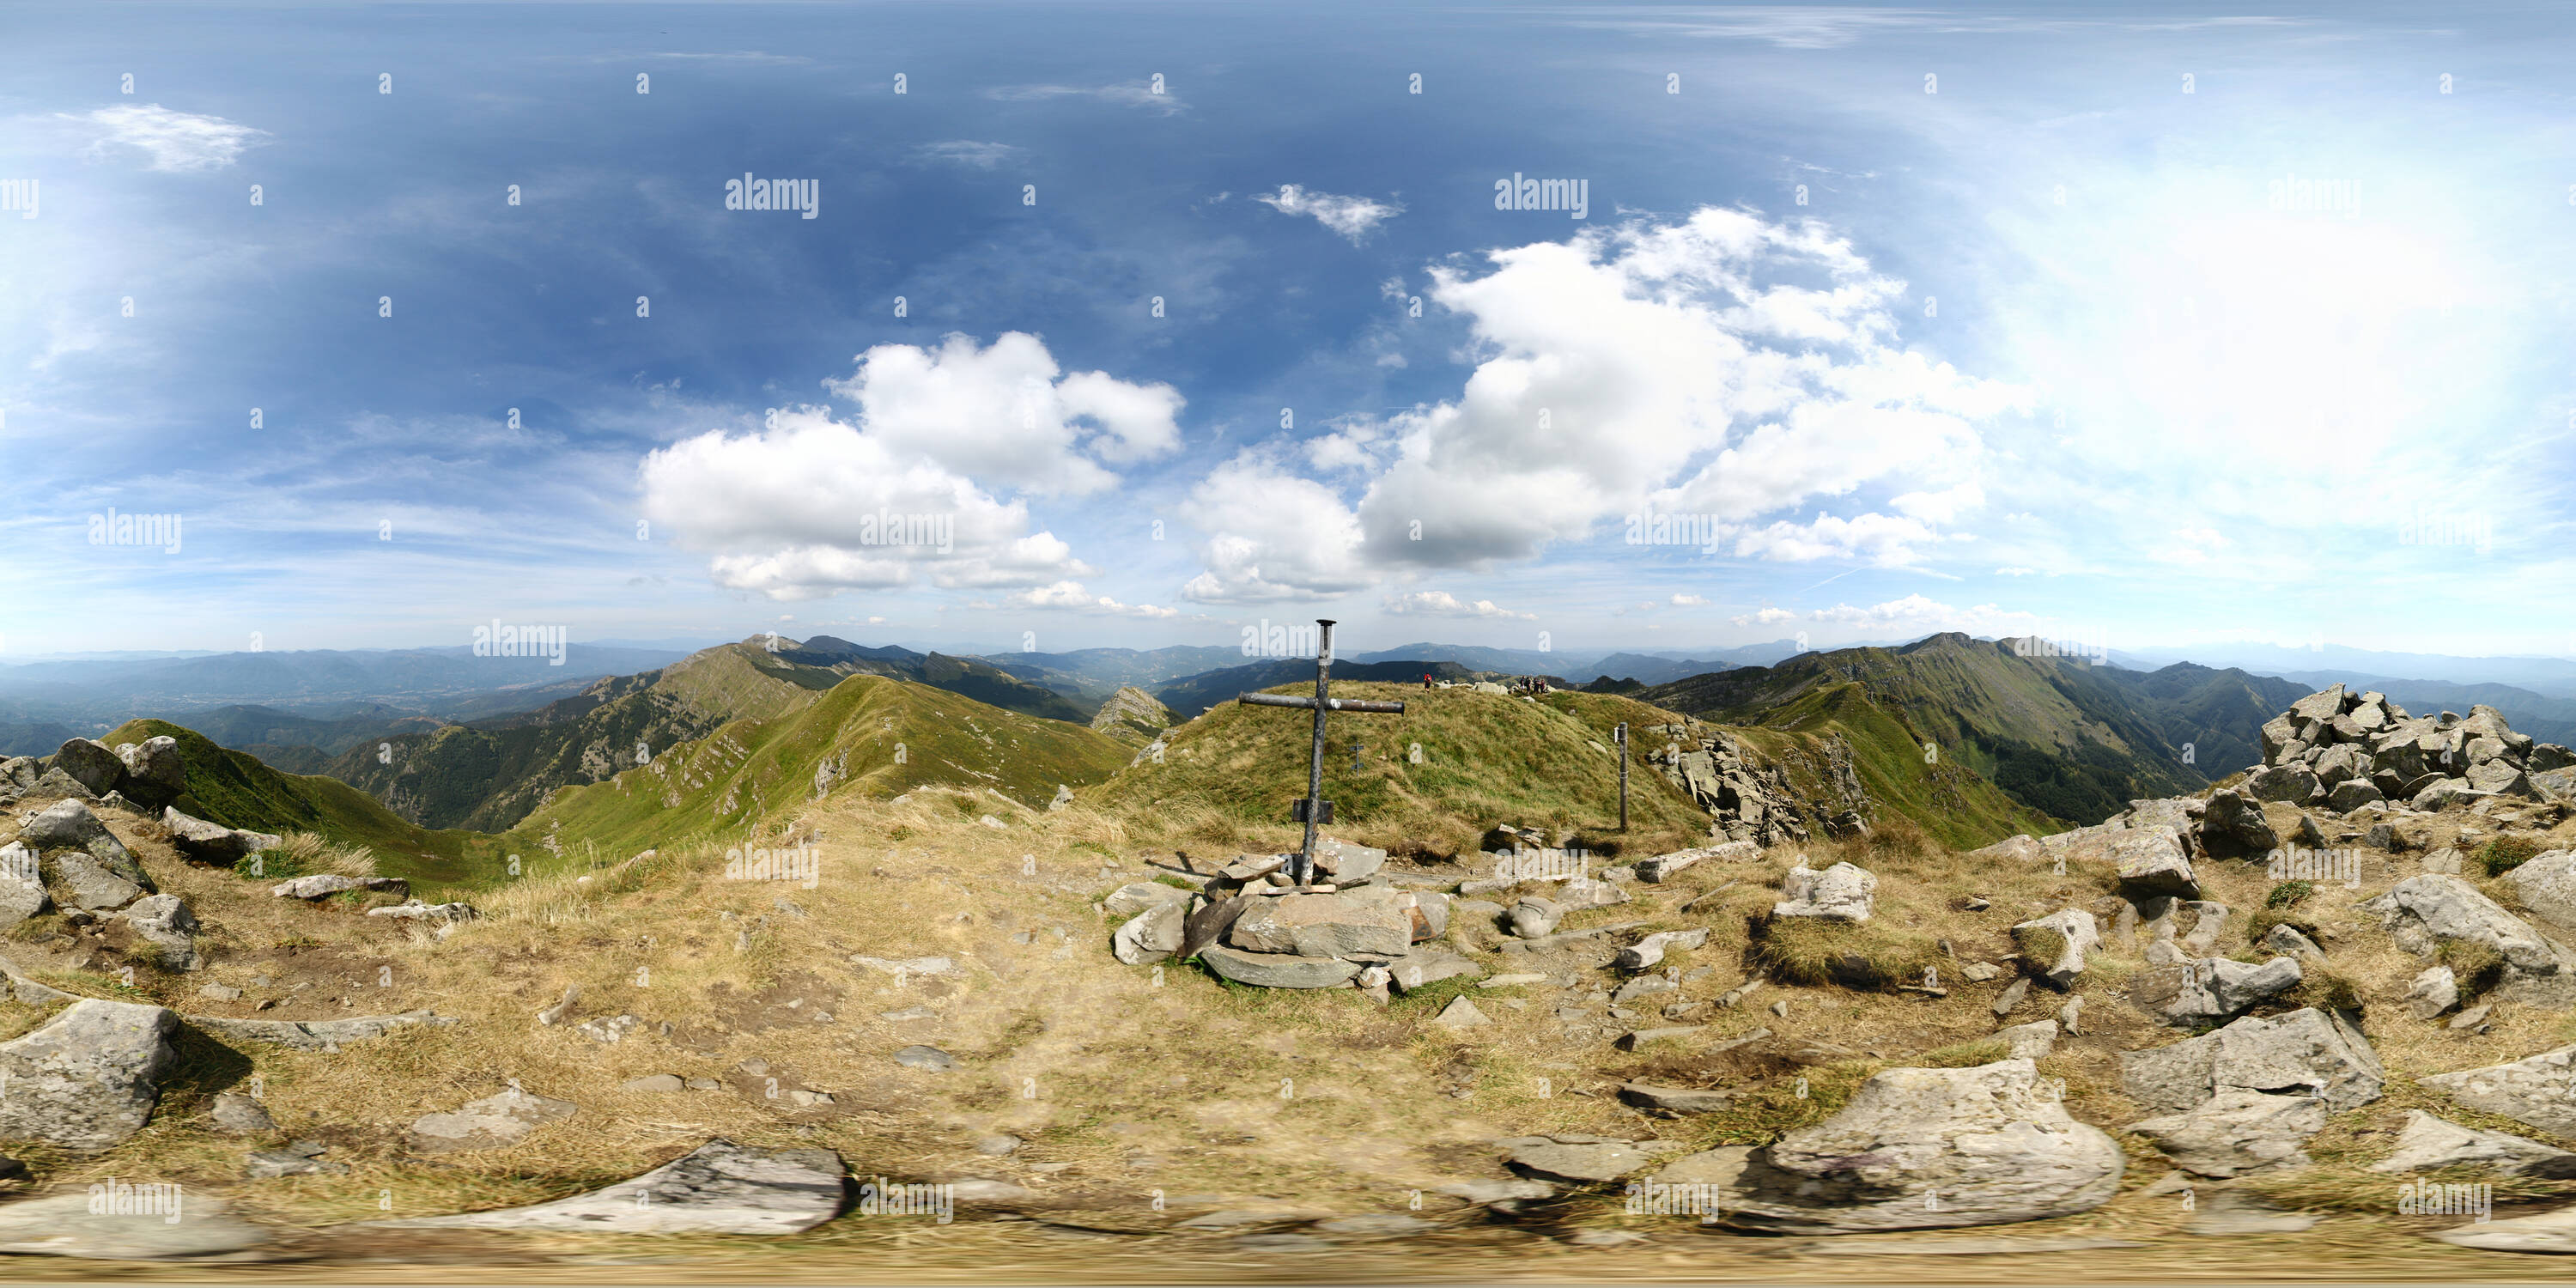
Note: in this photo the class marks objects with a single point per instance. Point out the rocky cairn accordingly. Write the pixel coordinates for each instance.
(2345, 750)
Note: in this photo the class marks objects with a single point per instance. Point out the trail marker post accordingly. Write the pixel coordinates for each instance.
(1620, 736)
(1315, 811)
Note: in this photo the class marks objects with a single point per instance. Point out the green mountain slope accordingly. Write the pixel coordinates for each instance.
(2069, 740)
(867, 733)
(237, 790)
(1950, 801)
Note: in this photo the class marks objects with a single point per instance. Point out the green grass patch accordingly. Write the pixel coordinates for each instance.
(1815, 951)
(2503, 854)
(2288, 894)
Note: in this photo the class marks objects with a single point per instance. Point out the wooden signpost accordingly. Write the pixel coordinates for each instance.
(1315, 811)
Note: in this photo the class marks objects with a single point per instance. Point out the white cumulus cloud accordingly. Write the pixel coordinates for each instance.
(1352, 217)
(1440, 603)
(172, 140)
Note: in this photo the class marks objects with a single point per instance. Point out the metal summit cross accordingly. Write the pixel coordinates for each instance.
(1315, 811)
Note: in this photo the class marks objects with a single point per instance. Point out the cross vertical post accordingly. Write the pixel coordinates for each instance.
(1315, 811)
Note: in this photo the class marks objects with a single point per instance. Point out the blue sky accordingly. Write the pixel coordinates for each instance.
(2141, 325)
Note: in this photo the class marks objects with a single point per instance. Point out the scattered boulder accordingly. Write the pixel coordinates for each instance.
(2546, 885)
(1152, 935)
(240, 1115)
(1649, 951)
(2428, 1143)
(2032, 1041)
(1675, 1100)
(445, 912)
(1842, 892)
(2233, 827)
(167, 931)
(155, 772)
(1534, 917)
(2211, 988)
(928, 1059)
(2307, 1051)
(2238, 1132)
(2062, 938)
(202, 842)
(69, 825)
(2151, 864)
(2532, 1090)
(489, 1123)
(2352, 794)
(2023, 848)
(89, 1077)
(1278, 970)
(88, 761)
(1460, 1014)
(331, 883)
(92, 886)
(1662, 866)
(718, 1188)
(22, 891)
(1429, 966)
(1930, 1148)
(1344, 862)
(2433, 992)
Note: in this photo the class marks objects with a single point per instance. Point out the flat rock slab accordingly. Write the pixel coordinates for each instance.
(1679, 1100)
(489, 1123)
(2546, 1232)
(312, 1035)
(928, 1058)
(1605, 1161)
(137, 1226)
(718, 1188)
(2534, 1090)
(2428, 1143)
(2238, 1132)
(324, 885)
(1278, 970)
(88, 1078)
(2304, 1052)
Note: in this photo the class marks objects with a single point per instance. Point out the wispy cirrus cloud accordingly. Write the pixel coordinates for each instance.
(1137, 95)
(967, 152)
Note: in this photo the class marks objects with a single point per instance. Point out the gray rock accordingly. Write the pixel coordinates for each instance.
(2152, 864)
(241, 1115)
(1678, 1100)
(451, 912)
(1535, 918)
(88, 884)
(138, 1223)
(1136, 897)
(1588, 1162)
(1249, 868)
(2546, 885)
(1429, 966)
(2076, 934)
(1843, 892)
(1460, 1014)
(997, 1145)
(2285, 940)
(2324, 704)
(1584, 892)
(1632, 1041)
(22, 890)
(327, 884)
(89, 1077)
(202, 842)
(2011, 996)
(2238, 1132)
(2537, 1090)
(1323, 925)
(1152, 935)
(2024, 848)
(1663, 866)
(2234, 827)
(54, 782)
(155, 771)
(2306, 1051)
(929, 1059)
(656, 1082)
(2428, 1143)
(1930, 1148)
(1649, 951)
(89, 762)
(718, 1188)
(1642, 986)
(1484, 1192)
(2212, 987)
(2352, 794)
(2236, 1213)
(69, 825)
(2292, 783)
(2421, 911)
(303, 1158)
(312, 1035)
(168, 931)
(19, 772)
(2433, 992)
(1278, 970)
(489, 1123)
(1343, 862)
(2032, 1041)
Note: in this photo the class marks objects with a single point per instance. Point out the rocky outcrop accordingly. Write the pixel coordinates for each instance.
(88, 1078)
(2422, 912)
(1152, 935)
(199, 841)
(155, 772)
(1750, 797)
(1929, 1148)
(90, 763)
(2211, 988)
(2308, 1052)
(1133, 716)
(2233, 827)
(2150, 863)
(2346, 750)
(718, 1188)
